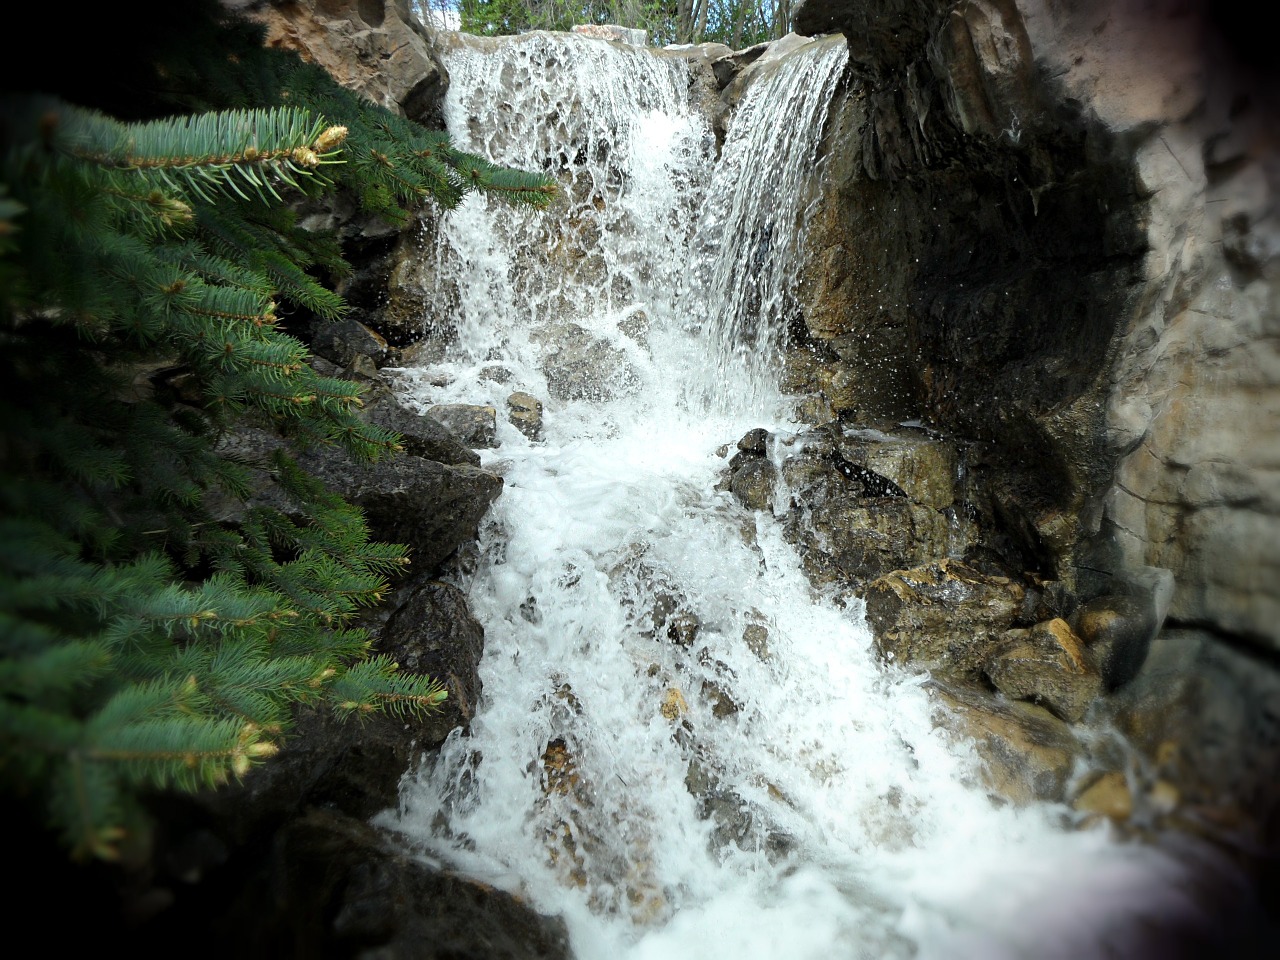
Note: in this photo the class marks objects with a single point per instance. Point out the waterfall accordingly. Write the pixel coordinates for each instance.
(750, 235)
(681, 748)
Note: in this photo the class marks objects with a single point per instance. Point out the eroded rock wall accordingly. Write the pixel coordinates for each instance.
(1048, 232)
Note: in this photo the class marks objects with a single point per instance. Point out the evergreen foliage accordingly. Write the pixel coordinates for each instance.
(156, 626)
(738, 23)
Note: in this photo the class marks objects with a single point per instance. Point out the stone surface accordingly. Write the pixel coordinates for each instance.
(1048, 230)
(430, 507)
(374, 47)
(1049, 665)
(433, 633)
(421, 435)
(581, 366)
(1028, 753)
(946, 617)
(525, 413)
(474, 425)
(342, 341)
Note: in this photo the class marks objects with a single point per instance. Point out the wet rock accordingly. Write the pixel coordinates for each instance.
(525, 413)
(944, 616)
(1118, 631)
(335, 880)
(923, 468)
(728, 66)
(722, 704)
(495, 373)
(753, 484)
(361, 367)
(754, 441)
(1028, 753)
(1107, 796)
(1206, 717)
(1046, 664)
(434, 633)
(421, 436)
(423, 353)
(430, 507)
(681, 628)
(341, 341)
(756, 637)
(473, 424)
(673, 705)
(851, 540)
(636, 326)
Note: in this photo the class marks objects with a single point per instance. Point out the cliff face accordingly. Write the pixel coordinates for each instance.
(1049, 232)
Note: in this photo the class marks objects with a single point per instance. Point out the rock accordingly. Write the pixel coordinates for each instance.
(334, 880)
(430, 507)
(756, 637)
(728, 66)
(682, 628)
(923, 468)
(423, 353)
(362, 368)
(421, 435)
(525, 413)
(1047, 664)
(473, 425)
(1118, 631)
(753, 484)
(674, 705)
(851, 540)
(433, 633)
(755, 441)
(609, 31)
(1029, 754)
(1206, 718)
(343, 340)
(945, 617)
(374, 47)
(1107, 796)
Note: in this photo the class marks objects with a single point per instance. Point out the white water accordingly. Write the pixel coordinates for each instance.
(841, 820)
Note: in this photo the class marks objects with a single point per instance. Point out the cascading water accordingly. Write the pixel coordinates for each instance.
(682, 749)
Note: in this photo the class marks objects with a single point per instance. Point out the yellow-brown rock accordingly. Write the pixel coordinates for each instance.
(1047, 664)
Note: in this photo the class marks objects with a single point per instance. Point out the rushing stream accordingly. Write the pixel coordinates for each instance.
(683, 749)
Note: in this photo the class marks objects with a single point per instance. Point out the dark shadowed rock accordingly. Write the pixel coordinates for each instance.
(421, 435)
(433, 633)
(430, 507)
(336, 887)
(343, 340)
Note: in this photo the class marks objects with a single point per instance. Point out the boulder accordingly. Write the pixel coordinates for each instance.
(421, 435)
(1028, 754)
(430, 507)
(581, 366)
(525, 413)
(1049, 665)
(374, 47)
(945, 617)
(473, 424)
